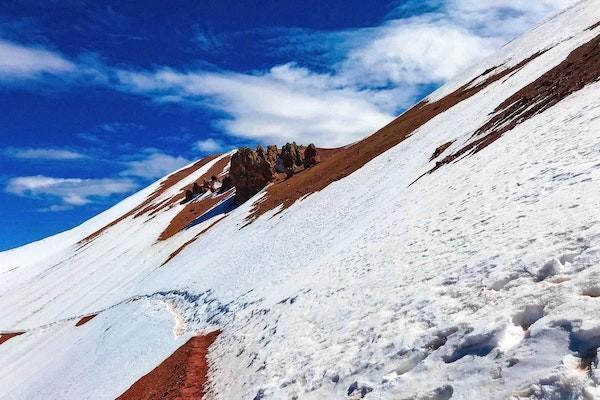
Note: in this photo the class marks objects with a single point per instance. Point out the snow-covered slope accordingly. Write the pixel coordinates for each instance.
(473, 275)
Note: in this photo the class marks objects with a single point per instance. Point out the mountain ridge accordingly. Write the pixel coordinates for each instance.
(354, 279)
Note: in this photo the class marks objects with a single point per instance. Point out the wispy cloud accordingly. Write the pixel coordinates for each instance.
(154, 165)
(117, 127)
(415, 51)
(58, 193)
(18, 61)
(209, 145)
(337, 87)
(206, 40)
(43, 153)
(378, 72)
(71, 192)
(354, 82)
(285, 103)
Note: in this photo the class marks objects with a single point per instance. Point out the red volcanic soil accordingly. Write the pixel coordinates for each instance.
(195, 209)
(148, 204)
(580, 68)
(85, 319)
(591, 28)
(192, 240)
(345, 161)
(180, 377)
(7, 336)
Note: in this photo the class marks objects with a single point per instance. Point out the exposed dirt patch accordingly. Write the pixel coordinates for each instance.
(440, 150)
(7, 336)
(591, 28)
(192, 240)
(218, 169)
(148, 204)
(180, 377)
(579, 69)
(195, 209)
(85, 319)
(344, 161)
(191, 212)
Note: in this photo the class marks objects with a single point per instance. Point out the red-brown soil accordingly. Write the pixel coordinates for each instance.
(591, 28)
(148, 204)
(180, 377)
(190, 213)
(195, 209)
(217, 170)
(85, 319)
(7, 336)
(440, 150)
(580, 68)
(192, 240)
(345, 161)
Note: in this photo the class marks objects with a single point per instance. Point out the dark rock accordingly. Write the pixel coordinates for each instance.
(260, 151)
(259, 395)
(226, 184)
(352, 388)
(440, 149)
(311, 156)
(272, 155)
(279, 166)
(189, 196)
(291, 156)
(249, 173)
(362, 391)
(196, 189)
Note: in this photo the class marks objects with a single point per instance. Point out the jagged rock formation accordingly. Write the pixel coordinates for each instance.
(311, 156)
(251, 170)
(214, 185)
(227, 183)
(291, 157)
(270, 155)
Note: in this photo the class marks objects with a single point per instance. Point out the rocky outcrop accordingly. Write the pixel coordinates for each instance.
(214, 185)
(311, 156)
(291, 159)
(250, 172)
(189, 196)
(270, 155)
(226, 184)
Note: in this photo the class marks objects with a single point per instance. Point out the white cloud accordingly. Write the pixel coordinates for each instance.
(209, 145)
(380, 74)
(285, 103)
(43, 154)
(116, 127)
(72, 192)
(155, 165)
(17, 61)
(415, 51)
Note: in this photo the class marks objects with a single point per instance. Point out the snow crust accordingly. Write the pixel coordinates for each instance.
(480, 281)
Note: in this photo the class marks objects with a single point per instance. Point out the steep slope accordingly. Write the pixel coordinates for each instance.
(384, 272)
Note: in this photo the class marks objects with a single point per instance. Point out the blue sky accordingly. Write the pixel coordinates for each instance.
(100, 98)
